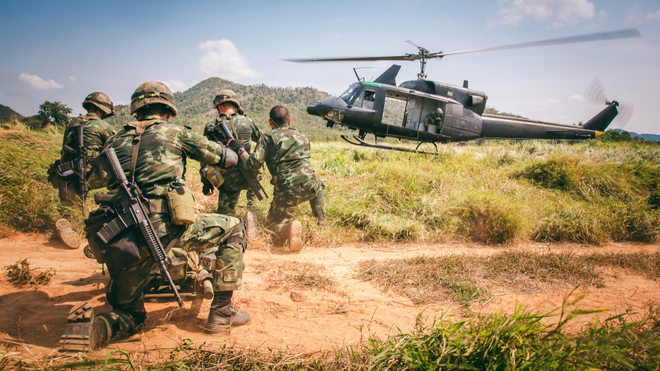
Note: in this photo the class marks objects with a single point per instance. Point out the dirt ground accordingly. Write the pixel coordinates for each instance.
(33, 320)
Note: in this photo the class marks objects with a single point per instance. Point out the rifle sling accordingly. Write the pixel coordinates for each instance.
(174, 240)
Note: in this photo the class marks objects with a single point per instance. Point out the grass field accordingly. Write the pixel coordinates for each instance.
(495, 193)
(487, 192)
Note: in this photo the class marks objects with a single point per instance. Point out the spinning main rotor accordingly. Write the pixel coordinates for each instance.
(423, 54)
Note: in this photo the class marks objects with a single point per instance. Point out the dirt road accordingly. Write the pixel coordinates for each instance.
(33, 320)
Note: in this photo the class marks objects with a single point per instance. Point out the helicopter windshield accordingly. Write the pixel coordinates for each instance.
(347, 96)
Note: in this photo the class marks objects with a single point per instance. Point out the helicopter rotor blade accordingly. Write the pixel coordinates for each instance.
(595, 92)
(625, 114)
(407, 57)
(413, 44)
(619, 34)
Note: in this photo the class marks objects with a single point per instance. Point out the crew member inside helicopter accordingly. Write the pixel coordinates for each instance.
(433, 122)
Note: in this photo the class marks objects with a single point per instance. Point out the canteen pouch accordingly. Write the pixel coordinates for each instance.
(213, 175)
(181, 204)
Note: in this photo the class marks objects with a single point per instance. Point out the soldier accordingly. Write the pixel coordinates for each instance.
(286, 152)
(155, 153)
(232, 116)
(433, 122)
(65, 175)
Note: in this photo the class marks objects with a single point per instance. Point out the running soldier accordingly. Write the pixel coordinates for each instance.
(286, 153)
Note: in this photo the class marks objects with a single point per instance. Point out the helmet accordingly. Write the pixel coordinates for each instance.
(226, 95)
(101, 101)
(439, 111)
(153, 92)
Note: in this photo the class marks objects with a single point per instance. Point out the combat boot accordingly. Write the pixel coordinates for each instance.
(67, 234)
(83, 332)
(291, 231)
(224, 316)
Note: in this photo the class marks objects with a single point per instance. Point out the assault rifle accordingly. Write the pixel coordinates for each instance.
(251, 176)
(131, 212)
(79, 164)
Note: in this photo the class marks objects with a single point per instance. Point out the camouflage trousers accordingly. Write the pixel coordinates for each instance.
(228, 199)
(125, 289)
(285, 201)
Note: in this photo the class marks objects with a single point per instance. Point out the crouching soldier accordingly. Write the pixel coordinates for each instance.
(152, 153)
(286, 152)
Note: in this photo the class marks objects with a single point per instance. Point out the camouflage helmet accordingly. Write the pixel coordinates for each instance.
(153, 92)
(226, 95)
(439, 111)
(100, 101)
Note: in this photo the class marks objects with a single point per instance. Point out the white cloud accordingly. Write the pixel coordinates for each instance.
(73, 78)
(577, 98)
(221, 58)
(549, 102)
(39, 83)
(655, 15)
(560, 11)
(176, 85)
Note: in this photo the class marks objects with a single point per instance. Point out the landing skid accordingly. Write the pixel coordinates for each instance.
(360, 142)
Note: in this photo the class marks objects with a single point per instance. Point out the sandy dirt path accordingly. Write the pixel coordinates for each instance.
(33, 320)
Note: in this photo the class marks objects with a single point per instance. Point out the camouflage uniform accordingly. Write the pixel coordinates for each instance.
(95, 133)
(434, 118)
(245, 130)
(286, 152)
(161, 160)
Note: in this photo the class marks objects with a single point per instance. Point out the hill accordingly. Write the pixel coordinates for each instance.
(654, 137)
(195, 105)
(7, 114)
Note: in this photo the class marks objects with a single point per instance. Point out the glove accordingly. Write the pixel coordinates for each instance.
(207, 187)
(236, 146)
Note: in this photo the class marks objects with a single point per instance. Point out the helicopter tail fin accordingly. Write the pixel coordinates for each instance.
(389, 77)
(602, 120)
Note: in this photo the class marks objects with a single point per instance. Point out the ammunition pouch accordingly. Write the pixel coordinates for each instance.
(179, 263)
(110, 240)
(66, 169)
(212, 175)
(54, 177)
(181, 205)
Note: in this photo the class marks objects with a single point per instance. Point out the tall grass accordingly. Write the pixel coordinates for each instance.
(27, 200)
(492, 192)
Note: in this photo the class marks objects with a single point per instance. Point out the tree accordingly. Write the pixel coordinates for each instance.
(54, 113)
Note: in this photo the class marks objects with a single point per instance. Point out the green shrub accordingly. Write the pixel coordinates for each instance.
(489, 220)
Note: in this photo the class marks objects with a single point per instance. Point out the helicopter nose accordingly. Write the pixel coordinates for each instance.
(326, 106)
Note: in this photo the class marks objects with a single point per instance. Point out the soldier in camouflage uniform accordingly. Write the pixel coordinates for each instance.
(433, 122)
(95, 133)
(158, 162)
(233, 117)
(286, 152)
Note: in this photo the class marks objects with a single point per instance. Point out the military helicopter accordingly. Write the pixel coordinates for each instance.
(363, 104)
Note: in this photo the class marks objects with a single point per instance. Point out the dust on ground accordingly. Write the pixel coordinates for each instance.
(33, 320)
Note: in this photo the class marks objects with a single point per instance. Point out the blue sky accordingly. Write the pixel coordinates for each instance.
(61, 51)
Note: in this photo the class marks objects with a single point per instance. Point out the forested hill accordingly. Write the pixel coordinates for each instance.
(195, 105)
(7, 114)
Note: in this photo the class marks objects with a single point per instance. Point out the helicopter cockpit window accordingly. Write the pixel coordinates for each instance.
(347, 96)
(369, 98)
